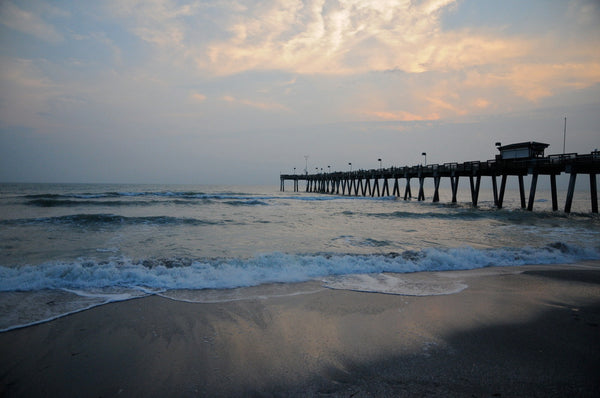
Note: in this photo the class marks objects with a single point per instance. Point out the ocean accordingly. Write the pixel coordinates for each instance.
(65, 248)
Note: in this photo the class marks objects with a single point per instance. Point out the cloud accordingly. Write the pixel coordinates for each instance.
(584, 12)
(159, 22)
(356, 37)
(265, 106)
(533, 81)
(29, 23)
(537, 81)
(481, 103)
(398, 116)
(197, 97)
(344, 37)
(318, 60)
(29, 90)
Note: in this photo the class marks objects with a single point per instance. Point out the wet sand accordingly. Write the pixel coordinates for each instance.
(526, 331)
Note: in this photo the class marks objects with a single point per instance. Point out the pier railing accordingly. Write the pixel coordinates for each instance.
(366, 182)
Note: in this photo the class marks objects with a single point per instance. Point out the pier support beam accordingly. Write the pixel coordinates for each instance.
(385, 190)
(421, 191)
(570, 192)
(594, 192)
(502, 189)
(522, 191)
(475, 184)
(454, 185)
(407, 192)
(396, 189)
(495, 190)
(534, 179)
(553, 189)
(436, 192)
(375, 185)
(367, 185)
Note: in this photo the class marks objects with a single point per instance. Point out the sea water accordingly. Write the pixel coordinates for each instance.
(68, 247)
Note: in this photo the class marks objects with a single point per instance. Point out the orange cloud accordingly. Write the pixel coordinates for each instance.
(312, 38)
(197, 97)
(439, 103)
(536, 81)
(265, 106)
(399, 116)
(481, 103)
(533, 81)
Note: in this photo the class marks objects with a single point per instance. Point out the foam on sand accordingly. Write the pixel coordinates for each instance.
(403, 284)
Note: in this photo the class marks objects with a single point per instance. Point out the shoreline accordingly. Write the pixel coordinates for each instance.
(513, 331)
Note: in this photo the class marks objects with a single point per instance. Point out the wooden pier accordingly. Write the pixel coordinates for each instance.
(367, 182)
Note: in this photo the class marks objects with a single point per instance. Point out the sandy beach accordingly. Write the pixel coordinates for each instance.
(516, 331)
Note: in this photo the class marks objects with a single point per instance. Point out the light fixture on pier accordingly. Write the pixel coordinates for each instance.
(379, 160)
(425, 154)
(306, 164)
(350, 164)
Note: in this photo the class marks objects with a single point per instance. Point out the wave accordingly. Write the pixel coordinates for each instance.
(40, 198)
(159, 194)
(470, 213)
(226, 273)
(447, 215)
(46, 202)
(111, 194)
(41, 293)
(89, 220)
(123, 199)
(247, 203)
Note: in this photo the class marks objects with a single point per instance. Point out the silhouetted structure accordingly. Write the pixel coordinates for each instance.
(514, 160)
(522, 150)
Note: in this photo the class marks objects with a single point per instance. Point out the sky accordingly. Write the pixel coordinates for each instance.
(237, 92)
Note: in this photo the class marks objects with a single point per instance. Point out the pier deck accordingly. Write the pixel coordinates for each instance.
(367, 182)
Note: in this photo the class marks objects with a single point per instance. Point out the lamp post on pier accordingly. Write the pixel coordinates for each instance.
(350, 164)
(306, 165)
(425, 154)
(379, 163)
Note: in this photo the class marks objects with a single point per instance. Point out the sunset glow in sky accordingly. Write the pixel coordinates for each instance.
(236, 92)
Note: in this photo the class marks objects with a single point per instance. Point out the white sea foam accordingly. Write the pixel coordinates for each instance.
(226, 273)
(35, 294)
(407, 285)
(22, 309)
(260, 292)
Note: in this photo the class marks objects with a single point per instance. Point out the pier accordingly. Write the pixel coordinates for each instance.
(515, 160)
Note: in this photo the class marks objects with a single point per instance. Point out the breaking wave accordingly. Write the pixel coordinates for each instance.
(226, 273)
(35, 294)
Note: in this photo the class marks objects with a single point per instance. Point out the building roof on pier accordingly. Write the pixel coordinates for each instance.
(522, 150)
(536, 146)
